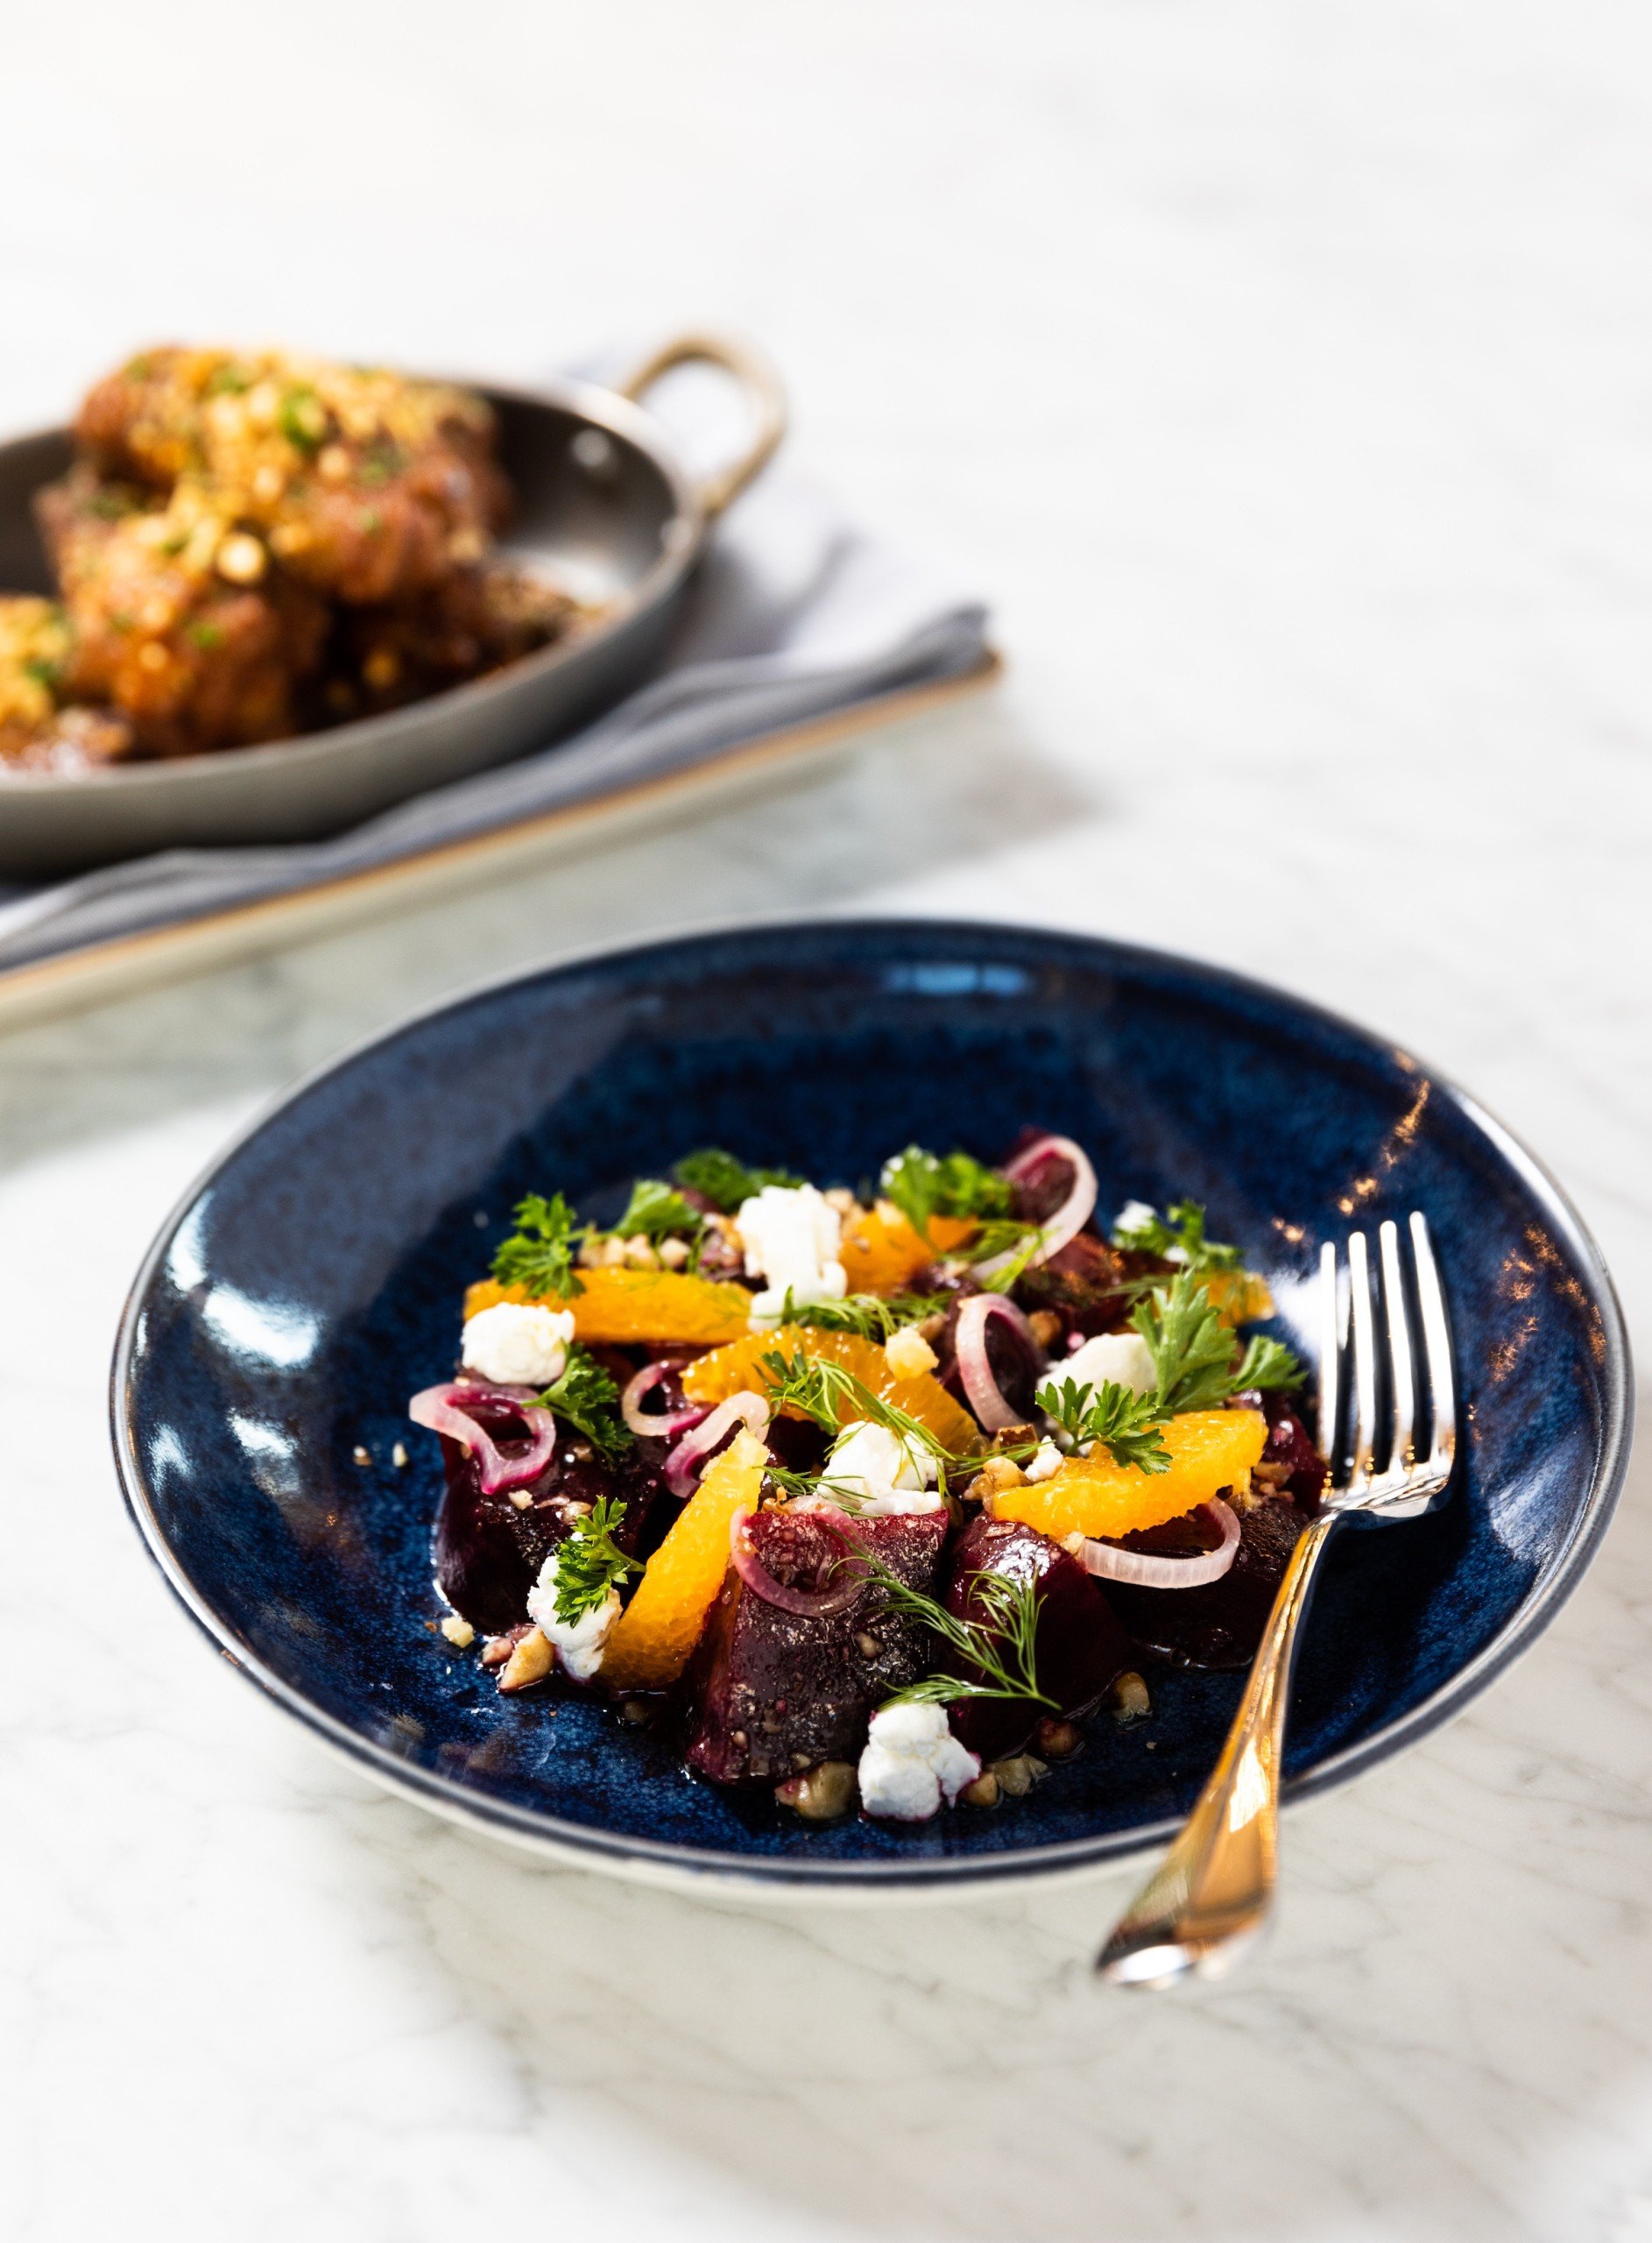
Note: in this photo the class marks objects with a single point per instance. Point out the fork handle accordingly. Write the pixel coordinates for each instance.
(1210, 1895)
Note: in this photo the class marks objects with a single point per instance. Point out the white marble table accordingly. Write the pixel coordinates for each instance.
(1284, 375)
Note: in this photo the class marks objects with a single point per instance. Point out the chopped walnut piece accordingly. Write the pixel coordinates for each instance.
(1057, 1739)
(998, 1473)
(908, 1353)
(1017, 1775)
(458, 1631)
(531, 1661)
(823, 1794)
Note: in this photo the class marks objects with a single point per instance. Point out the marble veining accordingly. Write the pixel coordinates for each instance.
(1282, 375)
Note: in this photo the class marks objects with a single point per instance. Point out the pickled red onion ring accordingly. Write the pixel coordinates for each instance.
(1144, 1569)
(1074, 1210)
(808, 1603)
(750, 1410)
(980, 1388)
(652, 1425)
(441, 1410)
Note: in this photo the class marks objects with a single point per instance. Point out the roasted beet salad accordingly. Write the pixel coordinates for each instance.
(877, 1495)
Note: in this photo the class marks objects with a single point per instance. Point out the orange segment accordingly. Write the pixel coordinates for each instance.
(737, 1368)
(881, 1252)
(654, 1634)
(1238, 1296)
(622, 1306)
(1210, 1450)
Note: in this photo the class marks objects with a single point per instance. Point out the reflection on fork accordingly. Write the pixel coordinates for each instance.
(1212, 1893)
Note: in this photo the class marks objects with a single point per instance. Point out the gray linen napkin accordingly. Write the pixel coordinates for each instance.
(795, 613)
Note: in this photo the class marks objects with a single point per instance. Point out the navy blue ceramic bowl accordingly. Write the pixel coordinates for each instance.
(312, 1281)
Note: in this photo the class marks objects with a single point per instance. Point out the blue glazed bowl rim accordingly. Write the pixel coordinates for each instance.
(580, 1845)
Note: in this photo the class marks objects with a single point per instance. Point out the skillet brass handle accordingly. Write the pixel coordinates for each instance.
(763, 392)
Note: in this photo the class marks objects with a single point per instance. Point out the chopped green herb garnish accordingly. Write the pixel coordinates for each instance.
(301, 418)
(43, 671)
(657, 1211)
(1125, 1424)
(718, 1176)
(539, 1255)
(924, 1185)
(228, 381)
(591, 1563)
(1178, 1236)
(586, 1399)
(207, 635)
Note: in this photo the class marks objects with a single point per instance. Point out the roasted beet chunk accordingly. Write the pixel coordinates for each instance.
(488, 1551)
(1221, 1624)
(1089, 1285)
(1290, 1464)
(1079, 1650)
(775, 1692)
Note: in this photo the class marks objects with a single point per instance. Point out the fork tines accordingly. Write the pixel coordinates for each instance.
(1368, 1392)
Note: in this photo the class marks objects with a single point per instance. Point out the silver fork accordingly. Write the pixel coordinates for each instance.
(1211, 1894)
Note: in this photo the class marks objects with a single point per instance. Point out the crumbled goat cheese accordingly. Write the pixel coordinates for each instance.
(791, 1237)
(886, 1475)
(579, 1647)
(911, 1759)
(1044, 1462)
(1124, 1358)
(514, 1345)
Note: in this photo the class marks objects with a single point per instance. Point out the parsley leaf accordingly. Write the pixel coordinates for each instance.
(871, 1316)
(539, 1256)
(656, 1211)
(718, 1176)
(585, 1397)
(1267, 1363)
(1192, 1349)
(1195, 1355)
(923, 1184)
(1125, 1424)
(1178, 1236)
(590, 1562)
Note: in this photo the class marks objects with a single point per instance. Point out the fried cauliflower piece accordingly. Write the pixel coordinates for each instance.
(35, 733)
(177, 617)
(369, 485)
